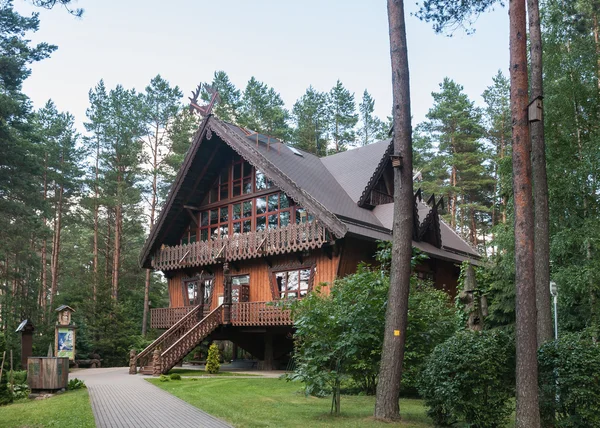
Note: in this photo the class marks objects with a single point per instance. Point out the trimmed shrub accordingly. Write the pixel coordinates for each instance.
(570, 382)
(470, 378)
(164, 378)
(175, 376)
(212, 361)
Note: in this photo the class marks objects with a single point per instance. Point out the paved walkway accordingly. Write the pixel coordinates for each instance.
(120, 400)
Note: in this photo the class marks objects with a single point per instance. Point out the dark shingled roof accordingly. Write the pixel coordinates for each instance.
(332, 186)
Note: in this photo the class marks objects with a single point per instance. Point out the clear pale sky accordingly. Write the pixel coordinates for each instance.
(287, 44)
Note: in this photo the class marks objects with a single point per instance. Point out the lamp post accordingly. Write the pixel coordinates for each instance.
(554, 292)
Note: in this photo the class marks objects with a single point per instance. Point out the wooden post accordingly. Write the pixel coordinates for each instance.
(471, 301)
(268, 363)
(132, 362)
(156, 363)
(226, 294)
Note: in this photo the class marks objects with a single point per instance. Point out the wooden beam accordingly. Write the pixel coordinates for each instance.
(190, 207)
(192, 216)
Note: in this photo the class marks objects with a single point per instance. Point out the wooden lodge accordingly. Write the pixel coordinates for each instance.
(250, 222)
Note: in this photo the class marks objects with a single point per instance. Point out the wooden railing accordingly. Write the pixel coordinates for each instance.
(242, 314)
(167, 317)
(259, 314)
(192, 338)
(172, 335)
(294, 237)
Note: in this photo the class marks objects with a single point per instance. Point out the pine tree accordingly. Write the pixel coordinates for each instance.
(371, 127)
(310, 116)
(263, 110)
(454, 126)
(343, 117)
(160, 107)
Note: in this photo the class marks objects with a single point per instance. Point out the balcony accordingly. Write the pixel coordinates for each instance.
(294, 237)
(242, 314)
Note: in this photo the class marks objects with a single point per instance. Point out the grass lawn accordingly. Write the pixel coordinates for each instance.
(69, 410)
(253, 403)
(198, 372)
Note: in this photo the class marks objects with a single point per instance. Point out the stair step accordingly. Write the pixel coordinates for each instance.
(148, 370)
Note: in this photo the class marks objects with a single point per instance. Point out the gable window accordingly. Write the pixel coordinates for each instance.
(293, 284)
(272, 211)
(240, 288)
(242, 178)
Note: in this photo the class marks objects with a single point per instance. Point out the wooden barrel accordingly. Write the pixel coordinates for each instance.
(47, 373)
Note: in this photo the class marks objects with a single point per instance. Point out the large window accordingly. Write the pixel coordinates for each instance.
(231, 208)
(293, 284)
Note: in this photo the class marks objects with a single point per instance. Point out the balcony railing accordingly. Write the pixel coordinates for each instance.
(242, 314)
(294, 237)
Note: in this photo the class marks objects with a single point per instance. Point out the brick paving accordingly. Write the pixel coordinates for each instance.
(120, 400)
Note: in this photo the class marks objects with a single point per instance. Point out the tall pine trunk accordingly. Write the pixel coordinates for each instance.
(54, 266)
(96, 225)
(44, 278)
(527, 414)
(116, 252)
(390, 372)
(540, 181)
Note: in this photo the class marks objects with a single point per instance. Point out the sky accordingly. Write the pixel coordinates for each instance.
(287, 44)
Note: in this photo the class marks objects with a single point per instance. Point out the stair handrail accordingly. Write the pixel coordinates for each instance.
(215, 313)
(174, 328)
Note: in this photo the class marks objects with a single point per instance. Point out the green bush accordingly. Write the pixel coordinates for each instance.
(470, 378)
(19, 376)
(5, 395)
(570, 382)
(212, 361)
(75, 384)
(175, 376)
(164, 378)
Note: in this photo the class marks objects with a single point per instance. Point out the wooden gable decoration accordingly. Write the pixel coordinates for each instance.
(429, 230)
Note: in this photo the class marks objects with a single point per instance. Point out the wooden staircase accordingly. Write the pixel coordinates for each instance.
(175, 343)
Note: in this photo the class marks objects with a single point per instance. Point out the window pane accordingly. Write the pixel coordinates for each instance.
(261, 205)
(273, 202)
(247, 209)
(240, 280)
(261, 223)
(214, 194)
(247, 185)
(247, 226)
(237, 171)
(204, 219)
(237, 211)
(261, 181)
(204, 235)
(214, 216)
(224, 194)
(224, 230)
(214, 232)
(293, 282)
(247, 169)
(224, 214)
(284, 202)
(237, 188)
(280, 277)
(272, 221)
(284, 218)
(237, 227)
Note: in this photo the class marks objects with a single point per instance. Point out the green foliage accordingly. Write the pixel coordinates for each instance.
(5, 395)
(19, 376)
(175, 376)
(371, 127)
(212, 360)
(342, 113)
(263, 110)
(164, 378)
(450, 15)
(470, 378)
(310, 116)
(570, 382)
(339, 336)
(75, 384)
(228, 109)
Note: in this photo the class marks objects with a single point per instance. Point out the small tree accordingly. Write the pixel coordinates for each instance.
(212, 361)
(6, 396)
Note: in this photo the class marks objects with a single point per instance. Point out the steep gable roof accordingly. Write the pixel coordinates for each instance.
(331, 188)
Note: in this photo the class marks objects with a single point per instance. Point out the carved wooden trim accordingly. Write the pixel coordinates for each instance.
(287, 266)
(364, 200)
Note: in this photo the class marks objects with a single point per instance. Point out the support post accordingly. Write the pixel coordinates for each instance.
(156, 363)
(132, 362)
(226, 294)
(268, 362)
